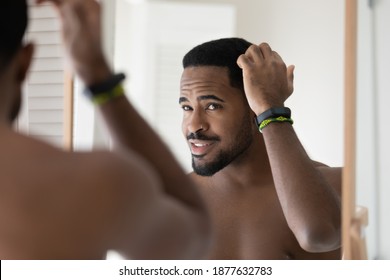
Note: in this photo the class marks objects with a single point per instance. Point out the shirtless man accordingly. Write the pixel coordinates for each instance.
(61, 205)
(267, 198)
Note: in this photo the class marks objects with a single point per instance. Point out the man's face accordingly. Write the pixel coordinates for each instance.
(217, 121)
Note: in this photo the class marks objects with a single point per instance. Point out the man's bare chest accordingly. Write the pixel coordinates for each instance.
(250, 224)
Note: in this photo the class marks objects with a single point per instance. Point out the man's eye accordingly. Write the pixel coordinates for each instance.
(186, 108)
(213, 106)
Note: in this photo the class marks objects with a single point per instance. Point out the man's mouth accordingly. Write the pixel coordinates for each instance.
(200, 147)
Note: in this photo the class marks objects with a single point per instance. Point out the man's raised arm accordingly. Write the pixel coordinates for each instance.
(81, 25)
(309, 199)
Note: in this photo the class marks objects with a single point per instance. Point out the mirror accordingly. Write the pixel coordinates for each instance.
(308, 34)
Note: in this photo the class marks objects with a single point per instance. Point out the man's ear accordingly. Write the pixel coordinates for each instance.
(25, 57)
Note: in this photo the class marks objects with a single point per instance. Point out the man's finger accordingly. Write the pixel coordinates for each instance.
(243, 61)
(277, 55)
(254, 53)
(290, 77)
(266, 50)
(290, 72)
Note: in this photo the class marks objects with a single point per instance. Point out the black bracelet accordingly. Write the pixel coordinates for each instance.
(104, 87)
(273, 113)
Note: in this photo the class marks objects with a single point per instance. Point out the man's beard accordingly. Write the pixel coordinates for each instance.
(243, 139)
(223, 159)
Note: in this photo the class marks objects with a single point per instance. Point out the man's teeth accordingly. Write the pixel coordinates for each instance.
(200, 145)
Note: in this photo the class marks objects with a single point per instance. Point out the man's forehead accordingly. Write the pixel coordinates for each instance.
(203, 83)
(205, 73)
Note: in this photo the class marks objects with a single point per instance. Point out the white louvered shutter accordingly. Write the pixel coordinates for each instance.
(43, 104)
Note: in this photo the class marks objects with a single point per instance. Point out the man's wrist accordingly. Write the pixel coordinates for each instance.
(264, 106)
(94, 73)
(106, 90)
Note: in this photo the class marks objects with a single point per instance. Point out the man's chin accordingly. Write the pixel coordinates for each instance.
(206, 170)
(203, 172)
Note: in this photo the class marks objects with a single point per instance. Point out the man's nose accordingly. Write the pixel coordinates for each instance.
(197, 122)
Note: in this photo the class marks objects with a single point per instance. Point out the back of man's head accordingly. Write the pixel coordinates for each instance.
(223, 53)
(13, 24)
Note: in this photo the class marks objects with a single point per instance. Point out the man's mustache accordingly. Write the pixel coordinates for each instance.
(201, 136)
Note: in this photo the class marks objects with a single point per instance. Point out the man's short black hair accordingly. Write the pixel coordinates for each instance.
(222, 52)
(13, 24)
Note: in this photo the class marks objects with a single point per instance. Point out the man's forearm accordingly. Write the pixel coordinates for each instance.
(310, 204)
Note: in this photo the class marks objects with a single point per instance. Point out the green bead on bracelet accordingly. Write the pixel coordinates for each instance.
(270, 120)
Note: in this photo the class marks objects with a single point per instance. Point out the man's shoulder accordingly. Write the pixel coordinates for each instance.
(323, 166)
(102, 165)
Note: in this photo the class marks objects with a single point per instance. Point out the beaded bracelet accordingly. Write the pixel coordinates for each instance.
(105, 91)
(270, 120)
(104, 97)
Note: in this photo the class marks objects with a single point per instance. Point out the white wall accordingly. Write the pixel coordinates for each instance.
(373, 134)
(366, 156)
(382, 23)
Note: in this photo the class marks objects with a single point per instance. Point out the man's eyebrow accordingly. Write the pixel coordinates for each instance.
(202, 97)
(211, 96)
(182, 99)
